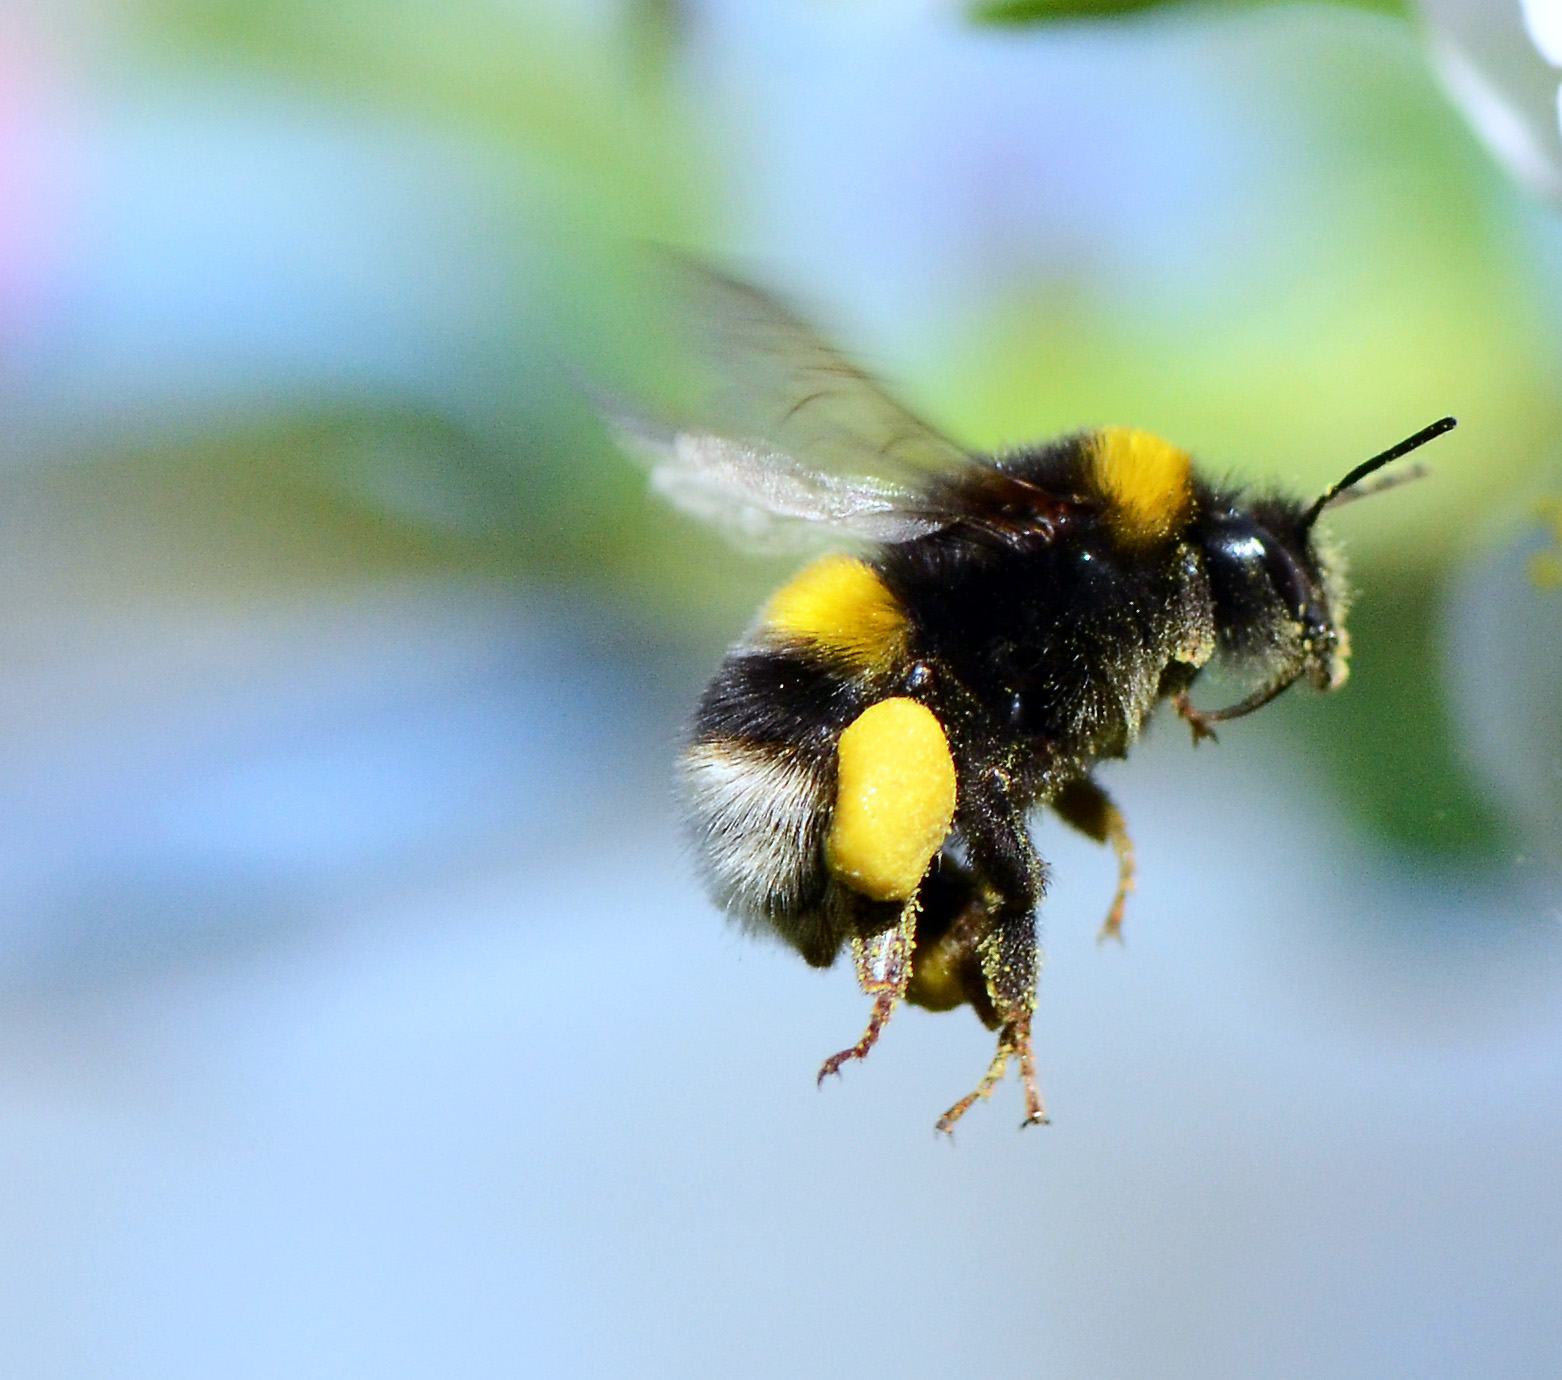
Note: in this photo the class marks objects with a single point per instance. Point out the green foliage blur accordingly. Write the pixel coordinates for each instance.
(1018, 12)
(1388, 277)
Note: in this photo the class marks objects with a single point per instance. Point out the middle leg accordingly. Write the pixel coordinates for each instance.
(1086, 807)
(1003, 858)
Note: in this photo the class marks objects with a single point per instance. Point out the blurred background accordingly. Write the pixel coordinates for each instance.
(359, 1015)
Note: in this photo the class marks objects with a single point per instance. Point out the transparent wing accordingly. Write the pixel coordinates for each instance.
(791, 445)
(778, 384)
(764, 500)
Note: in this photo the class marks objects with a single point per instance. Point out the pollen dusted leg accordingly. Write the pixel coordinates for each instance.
(1084, 806)
(1008, 980)
(883, 963)
(1002, 855)
(1013, 1039)
(983, 1090)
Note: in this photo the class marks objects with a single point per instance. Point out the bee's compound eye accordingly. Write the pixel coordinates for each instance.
(1237, 559)
(1239, 550)
(1255, 581)
(1252, 563)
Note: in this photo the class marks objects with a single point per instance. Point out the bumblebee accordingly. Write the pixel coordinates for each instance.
(859, 773)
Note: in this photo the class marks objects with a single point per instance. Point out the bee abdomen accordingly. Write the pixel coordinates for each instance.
(758, 812)
(758, 779)
(840, 609)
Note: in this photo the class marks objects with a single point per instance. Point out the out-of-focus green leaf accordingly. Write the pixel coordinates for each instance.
(314, 494)
(1019, 13)
(1387, 737)
(599, 151)
(656, 31)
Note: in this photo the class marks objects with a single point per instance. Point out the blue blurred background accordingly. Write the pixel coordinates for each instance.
(359, 1016)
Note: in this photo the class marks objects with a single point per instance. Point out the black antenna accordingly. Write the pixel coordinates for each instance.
(1410, 443)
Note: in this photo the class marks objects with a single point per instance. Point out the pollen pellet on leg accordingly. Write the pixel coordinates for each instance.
(894, 802)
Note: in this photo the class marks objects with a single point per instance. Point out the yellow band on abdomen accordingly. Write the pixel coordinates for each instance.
(894, 801)
(839, 606)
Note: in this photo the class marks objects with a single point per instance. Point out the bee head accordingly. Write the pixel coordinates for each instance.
(1279, 595)
(1279, 589)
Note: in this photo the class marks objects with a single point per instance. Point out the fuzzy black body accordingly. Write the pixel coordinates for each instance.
(860, 771)
(1035, 635)
(1050, 647)
(1066, 591)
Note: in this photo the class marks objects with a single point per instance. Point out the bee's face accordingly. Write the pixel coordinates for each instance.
(1279, 598)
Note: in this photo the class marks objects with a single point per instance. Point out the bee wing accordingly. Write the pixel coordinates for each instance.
(765, 500)
(793, 445)
(780, 383)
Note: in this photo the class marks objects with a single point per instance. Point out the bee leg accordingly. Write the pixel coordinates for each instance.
(883, 963)
(1002, 856)
(1084, 806)
(990, 1080)
(1014, 1040)
(1017, 1036)
(946, 966)
(1199, 723)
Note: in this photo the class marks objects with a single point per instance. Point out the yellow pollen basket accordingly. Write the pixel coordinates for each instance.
(894, 800)
(1147, 484)
(840, 606)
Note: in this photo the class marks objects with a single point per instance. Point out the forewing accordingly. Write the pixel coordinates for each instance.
(777, 385)
(763, 499)
(793, 446)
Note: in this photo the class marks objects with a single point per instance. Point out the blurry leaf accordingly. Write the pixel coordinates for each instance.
(1498, 61)
(593, 139)
(1545, 566)
(1389, 734)
(656, 32)
(1018, 13)
(1504, 669)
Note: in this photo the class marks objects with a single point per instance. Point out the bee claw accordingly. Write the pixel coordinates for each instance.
(884, 1004)
(832, 1065)
(1014, 1042)
(1199, 723)
(883, 969)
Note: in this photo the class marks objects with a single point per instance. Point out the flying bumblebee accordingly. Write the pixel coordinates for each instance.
(988, 629)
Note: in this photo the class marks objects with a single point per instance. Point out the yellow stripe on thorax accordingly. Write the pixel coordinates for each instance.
(840, 606)
(894, 799)
(1147, 484)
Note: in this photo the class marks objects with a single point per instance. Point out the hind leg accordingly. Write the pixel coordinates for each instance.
(883, 963)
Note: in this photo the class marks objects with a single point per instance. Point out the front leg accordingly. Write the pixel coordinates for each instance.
(1004, 860)
(1196, 719)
